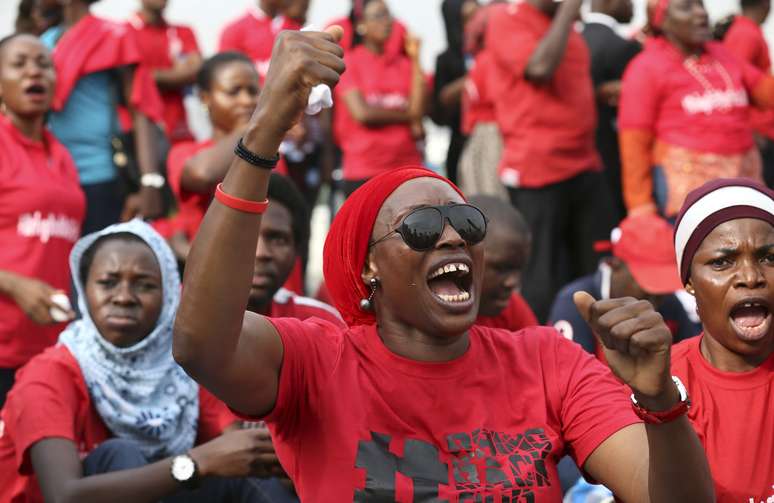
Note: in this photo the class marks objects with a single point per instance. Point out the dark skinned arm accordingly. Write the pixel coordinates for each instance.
(58, 468)
(202, 172)
(550, 51)
(645, 463)
(237, 355)
(182, 74)
(451, 93)
(150, 204)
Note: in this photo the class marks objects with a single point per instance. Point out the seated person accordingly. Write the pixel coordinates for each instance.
(507, 245)
(283, 241)
(642, 266)
(107, 414)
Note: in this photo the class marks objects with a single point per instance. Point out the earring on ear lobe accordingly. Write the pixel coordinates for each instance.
(367, 304)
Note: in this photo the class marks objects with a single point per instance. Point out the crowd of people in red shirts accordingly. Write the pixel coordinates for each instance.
(158, 338)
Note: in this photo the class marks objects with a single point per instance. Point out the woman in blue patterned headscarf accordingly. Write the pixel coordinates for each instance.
(107, 414)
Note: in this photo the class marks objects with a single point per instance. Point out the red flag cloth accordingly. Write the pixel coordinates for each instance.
(346, 246)
(95, 45)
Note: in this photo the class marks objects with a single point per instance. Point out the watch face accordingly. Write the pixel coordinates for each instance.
(183, 468)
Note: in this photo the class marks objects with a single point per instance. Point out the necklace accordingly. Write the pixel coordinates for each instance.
(692, 67)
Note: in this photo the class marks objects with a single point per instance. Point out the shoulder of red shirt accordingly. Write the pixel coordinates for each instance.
(290, 305)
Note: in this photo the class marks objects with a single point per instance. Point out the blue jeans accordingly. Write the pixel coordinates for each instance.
(118, 454)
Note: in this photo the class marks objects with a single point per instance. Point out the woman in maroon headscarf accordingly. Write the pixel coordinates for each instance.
(684, 111)
(412, 387)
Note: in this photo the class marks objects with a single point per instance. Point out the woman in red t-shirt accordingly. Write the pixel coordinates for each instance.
(107, 414)
(723, 241)
(412, 402)
(683, 116)
(380, 101)
(41, 209)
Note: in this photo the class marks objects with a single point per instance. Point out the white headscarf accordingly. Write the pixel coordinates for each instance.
(140, 392)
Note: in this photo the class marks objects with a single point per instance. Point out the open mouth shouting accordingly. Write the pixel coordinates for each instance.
(452, 284)
(751, 319)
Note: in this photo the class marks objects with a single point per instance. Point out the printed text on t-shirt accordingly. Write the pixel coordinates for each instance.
(57, 226)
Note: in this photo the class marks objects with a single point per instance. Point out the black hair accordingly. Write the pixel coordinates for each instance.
(501, 212)
(720, 30)
(88, 256)
(746, 4)
(214, 63)
(283, 190)
(357, 38)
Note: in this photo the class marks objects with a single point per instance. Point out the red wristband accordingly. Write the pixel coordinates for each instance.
(235, 203)
(680, 409)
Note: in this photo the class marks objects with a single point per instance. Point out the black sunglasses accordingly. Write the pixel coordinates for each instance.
(422, 228)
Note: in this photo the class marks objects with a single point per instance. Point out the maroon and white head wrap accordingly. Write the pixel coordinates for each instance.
(712, 204)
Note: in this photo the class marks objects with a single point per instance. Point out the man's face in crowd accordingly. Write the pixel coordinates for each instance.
(506, 256)
(274, 257)
(623, 284)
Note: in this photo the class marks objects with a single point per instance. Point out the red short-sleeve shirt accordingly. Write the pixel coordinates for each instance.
(383, 80)
(254, 34)
(477, 106)
(41, 212)
(161, 46)
(50, 400)
(393, 429)
(516, 316)
(746, 41)
(549, 129)
(731, 413)
(702, 106)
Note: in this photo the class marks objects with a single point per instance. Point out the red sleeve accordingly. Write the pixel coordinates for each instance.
(230, 38)
(214, 417)
(175, 163)
(640, 96)
(511, 43)
(594, 405)
(742, 43)
(188, 40)
(44, 403)
(751, 76)
(311, 349)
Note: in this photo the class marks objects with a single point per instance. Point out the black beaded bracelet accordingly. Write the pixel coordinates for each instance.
(256, 160)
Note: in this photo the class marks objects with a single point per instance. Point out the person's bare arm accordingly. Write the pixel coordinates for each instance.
(59, 471)
(451, 94)
(416, 108)
(237, 355)
(549, 52)
(370, 115)
(653, 463)
(33, 296)
(150, 202)
(182, 74)
(202, 172)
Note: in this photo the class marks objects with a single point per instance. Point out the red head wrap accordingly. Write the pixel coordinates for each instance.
(346, 247)
(657, 10)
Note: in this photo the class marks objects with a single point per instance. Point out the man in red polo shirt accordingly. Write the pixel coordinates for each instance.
(254, 33)
(545, 108)
(172, 52)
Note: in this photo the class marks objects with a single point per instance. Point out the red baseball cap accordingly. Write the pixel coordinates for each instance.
(644, 243)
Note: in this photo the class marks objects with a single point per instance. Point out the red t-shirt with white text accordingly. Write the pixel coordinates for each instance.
(731, 413)
(254, 34)
(516, 316)
(391, 429)
(384, 81)
(41, 212)
(746, 41)
(548, 129)
(50, 400)
(287, 304)
(161, 46)
(706, 111)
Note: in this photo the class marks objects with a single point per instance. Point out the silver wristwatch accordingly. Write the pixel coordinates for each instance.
(185, 471)
(153, 180)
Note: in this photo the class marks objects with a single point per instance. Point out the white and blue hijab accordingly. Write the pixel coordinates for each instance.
(140, 392)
